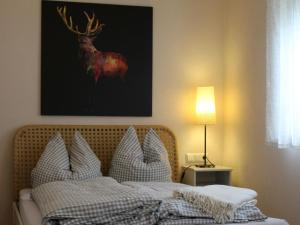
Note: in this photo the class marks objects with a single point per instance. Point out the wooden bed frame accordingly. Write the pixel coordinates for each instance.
(31, 140)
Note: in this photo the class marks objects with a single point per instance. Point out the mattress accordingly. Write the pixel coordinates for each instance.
(31, 214)
(29, 211)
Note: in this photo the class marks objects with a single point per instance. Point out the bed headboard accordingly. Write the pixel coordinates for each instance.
(31, 140)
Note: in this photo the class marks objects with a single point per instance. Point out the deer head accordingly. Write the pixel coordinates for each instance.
(96, 63)
(92, 29)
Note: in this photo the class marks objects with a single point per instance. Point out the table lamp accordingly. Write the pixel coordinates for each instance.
(206, 114)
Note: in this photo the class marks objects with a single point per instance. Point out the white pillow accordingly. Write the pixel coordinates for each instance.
(132, 163)
(54, 163)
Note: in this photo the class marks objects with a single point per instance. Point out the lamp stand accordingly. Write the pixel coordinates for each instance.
(205, 159)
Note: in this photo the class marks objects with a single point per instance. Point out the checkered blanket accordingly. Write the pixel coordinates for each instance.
(177, 211)
(104, 201)
(97, 201)
(180, 212)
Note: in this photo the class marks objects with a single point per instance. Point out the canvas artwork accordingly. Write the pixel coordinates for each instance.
(96, 59)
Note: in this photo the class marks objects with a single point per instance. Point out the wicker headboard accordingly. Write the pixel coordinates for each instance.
(31, 140)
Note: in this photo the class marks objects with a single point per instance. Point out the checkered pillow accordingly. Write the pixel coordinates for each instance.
(84, 163)
(132, 163)
(53, 164)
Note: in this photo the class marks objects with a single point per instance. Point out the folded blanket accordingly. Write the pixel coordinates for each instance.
(96, 201)
(219, 201)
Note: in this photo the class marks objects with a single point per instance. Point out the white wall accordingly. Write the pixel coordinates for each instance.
(273, 173)
(188, 51)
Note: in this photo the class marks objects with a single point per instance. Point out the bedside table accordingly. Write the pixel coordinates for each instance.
(197, 176)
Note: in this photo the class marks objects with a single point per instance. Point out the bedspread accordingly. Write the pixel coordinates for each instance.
(97, 201)
(103, 200)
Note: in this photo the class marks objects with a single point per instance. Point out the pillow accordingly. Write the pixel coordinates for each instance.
(84, 163)
(53, 164)
(154, 149)
(132, 163)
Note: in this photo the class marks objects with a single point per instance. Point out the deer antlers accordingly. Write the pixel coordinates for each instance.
(91, 30)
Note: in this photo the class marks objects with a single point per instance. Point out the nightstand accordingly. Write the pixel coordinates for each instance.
(197, 176)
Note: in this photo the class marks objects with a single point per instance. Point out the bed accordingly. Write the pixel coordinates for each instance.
(31, 140)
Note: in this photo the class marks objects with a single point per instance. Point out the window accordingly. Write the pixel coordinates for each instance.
(283, 73)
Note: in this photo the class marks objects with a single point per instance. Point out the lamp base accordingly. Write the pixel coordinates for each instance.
(207, 163)
(205, 166)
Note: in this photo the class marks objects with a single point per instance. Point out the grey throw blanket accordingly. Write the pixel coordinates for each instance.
(219, 201)
(97, 201)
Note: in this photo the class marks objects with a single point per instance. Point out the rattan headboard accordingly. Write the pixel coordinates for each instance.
(31, 140)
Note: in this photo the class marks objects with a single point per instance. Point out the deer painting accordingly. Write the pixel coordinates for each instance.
(96, 63)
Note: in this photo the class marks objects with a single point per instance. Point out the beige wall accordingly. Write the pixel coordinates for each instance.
(188, 51)
(273, 173)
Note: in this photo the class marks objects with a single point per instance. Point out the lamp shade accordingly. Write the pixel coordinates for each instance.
(205, 105)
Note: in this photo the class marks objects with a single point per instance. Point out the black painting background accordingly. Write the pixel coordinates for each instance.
(68, 90)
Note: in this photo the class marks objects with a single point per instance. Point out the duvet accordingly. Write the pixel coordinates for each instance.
(100, 200)
(105, 201)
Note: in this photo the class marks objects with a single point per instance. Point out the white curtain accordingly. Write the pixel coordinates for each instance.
(283, 73)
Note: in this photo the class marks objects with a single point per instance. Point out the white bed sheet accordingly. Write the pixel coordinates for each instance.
(31, 214)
